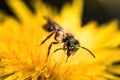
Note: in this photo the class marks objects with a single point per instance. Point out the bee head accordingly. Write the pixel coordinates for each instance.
(73, 45)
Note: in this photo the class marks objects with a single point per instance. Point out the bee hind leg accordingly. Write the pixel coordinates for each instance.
(47, 37)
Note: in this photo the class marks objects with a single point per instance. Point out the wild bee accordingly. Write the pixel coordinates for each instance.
(68, 40)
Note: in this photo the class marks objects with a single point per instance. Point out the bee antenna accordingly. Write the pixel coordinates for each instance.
(88, 51)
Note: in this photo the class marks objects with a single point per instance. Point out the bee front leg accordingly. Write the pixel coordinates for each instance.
(58, 49)
(61, 48)
(68, 54)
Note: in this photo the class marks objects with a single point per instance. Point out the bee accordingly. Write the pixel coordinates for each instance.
(67, 39)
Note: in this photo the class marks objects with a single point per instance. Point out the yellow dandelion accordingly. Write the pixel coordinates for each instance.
(23, 58)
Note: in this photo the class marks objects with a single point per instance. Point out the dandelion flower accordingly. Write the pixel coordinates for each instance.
(23, 58)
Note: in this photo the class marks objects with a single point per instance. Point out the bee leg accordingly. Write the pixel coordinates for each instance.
(68, 54)
(64, 47)
(47, 37)
(58, 49)
(56, 35)
(61, 48)
(51, 46)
